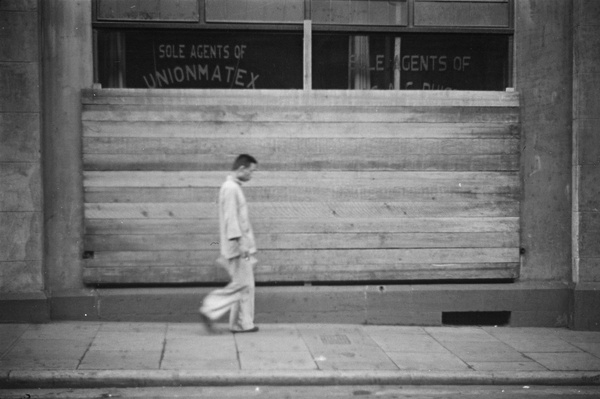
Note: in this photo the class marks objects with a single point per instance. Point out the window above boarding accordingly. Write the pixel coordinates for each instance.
(304, 44)
(410, 62)
(265, 60)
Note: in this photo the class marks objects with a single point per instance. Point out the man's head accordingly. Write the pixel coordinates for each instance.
(243, 166)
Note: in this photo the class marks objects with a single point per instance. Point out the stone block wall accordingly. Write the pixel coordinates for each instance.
(21, 217)
(586, 119)
(586, 159)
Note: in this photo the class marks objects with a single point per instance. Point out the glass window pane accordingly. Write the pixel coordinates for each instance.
(111, 55)
(193, 59)
(410, 62)
(254, 11)
(461, 13)
(360, 12)
(330, 62)
(148, 10)
(454, 62)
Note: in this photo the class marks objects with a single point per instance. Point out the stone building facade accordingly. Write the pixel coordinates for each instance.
(47, 62)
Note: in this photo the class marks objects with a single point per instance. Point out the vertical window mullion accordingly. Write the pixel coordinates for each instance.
(307, 54)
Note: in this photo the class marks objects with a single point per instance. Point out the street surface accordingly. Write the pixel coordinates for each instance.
(181, 360)
(311, 392)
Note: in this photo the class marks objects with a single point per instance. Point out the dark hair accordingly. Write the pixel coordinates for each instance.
(244, 160)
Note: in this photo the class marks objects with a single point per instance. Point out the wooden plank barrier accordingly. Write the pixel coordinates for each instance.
(351, 186)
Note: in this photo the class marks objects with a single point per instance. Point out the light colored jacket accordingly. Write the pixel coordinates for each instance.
(234, 221)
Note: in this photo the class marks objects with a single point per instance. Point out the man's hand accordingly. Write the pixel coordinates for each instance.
(244, 253)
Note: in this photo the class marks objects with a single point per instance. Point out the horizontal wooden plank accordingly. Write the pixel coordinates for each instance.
(435, 181)
(417, 271)
(153, 275)
(299, 149)
(279, 194)
(266, 241)
(263, 130)
(319, 161)
(311, 265)
(198, 97)
(347, 258)
(187, 186)
(273, 113)
(326, 258)
(306, 225)
(307, 210)
(191, 274)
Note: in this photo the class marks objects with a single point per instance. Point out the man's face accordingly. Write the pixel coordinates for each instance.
(245, 173)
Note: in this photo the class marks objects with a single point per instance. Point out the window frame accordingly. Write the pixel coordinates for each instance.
(307, 27)
(298, 26)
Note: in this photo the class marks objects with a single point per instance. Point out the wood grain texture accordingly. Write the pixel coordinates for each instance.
(348, 259)
(307, 225)
(315, 265)
(351, 185)
(295, 210)
(323, 98)
(278, 162)
(273, 241)
(284, 194)
(265, 130)
(140, 274)
(307, 114)
(291, 148)
(489, 181)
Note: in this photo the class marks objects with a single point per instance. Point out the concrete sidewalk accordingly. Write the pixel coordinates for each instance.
(111, 354)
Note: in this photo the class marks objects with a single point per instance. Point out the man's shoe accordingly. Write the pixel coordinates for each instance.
(251, 330)
(208, 323)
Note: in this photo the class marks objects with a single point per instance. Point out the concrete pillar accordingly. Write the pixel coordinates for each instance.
(543, 50)
(22, 295)
(67, 68)
(586, 157)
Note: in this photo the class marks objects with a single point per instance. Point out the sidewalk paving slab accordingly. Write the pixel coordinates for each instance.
(506, 366)
(428, 361)
(566, 361)
(104, 354)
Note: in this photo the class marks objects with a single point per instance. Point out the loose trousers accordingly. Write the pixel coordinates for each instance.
(237, 297)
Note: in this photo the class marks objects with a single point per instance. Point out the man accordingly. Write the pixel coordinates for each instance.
(237, 247)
